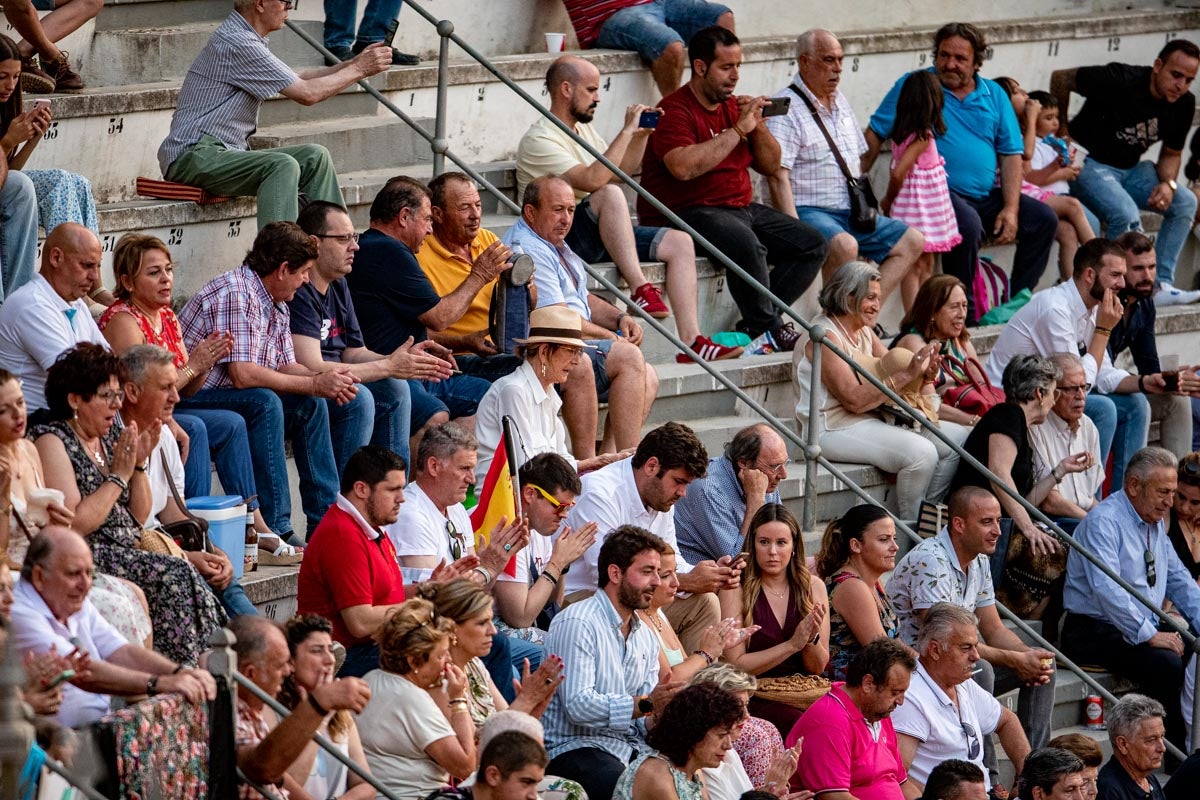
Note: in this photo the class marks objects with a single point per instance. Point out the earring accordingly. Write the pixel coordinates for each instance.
(543, 369)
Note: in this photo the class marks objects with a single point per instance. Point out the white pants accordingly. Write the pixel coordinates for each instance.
(922, 463)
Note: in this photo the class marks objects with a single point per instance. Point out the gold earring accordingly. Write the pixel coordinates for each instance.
(543, 369)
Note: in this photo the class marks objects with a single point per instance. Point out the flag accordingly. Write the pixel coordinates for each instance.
(498, 497)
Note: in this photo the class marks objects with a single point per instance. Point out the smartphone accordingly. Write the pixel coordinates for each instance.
(61, 678)
(649, 119)
(740, 560)
(391, 32)
(41, 103)
(778, 106)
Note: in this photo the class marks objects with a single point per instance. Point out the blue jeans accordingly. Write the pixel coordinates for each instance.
(1116, 195)
(269, 418)
(18, 232)
(234, 601)
(393, 413)
(1123, 422)
(653, 27)
(217, 437)
(350, 426)
(339, 21)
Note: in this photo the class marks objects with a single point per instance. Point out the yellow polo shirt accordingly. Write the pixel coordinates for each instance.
(446, 271)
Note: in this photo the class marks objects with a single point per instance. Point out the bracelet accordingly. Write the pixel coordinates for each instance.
(1054, 474)
(1105, 331)
(487, 576)
(1142, 384)
(152, 685)
(188, 373)
(708, 660)
(738, 131)
(564, 570)
(178, 669)
(549, 577)
(312, 701)
(121, 483)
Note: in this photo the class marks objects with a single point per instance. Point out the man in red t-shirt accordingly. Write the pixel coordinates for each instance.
(349, 574)
(697, 163)
(656, 29)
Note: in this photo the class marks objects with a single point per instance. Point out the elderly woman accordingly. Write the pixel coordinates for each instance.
(529, 395)
(848, 425)
(100, 468)
(417, 731)
(939, 316)
(694, 732)
(1001, 441)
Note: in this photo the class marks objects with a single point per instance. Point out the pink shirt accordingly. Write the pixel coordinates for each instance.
(843, 753)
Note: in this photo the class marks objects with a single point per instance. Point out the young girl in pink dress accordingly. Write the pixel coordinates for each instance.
(917, 193)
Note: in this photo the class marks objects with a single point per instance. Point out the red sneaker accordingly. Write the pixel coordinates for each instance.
(649, 299)
(708, 350)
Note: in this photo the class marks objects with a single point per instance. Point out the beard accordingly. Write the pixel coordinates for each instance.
(584, 114)
(631, 597)
(1097, 291)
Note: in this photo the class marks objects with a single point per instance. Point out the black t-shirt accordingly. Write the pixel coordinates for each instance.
(1007, 419)
(1115, 784)
(328, 317)
(1120, 119)
(1180, 543)
(389, 291)
(1185, 783)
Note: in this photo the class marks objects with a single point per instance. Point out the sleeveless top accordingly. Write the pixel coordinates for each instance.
(685, 788)
(843, 646)
(327, 778)
(674, 657)
(169, 338)
(832, 415)
(771, 634)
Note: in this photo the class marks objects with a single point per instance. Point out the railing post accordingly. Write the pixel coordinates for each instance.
(16, 734)
(440, 144)
(812, 450)
(222, 662)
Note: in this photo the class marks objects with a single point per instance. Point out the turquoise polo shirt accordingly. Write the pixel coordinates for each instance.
(979, 129)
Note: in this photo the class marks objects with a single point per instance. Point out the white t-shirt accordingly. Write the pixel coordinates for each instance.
(539, 550)
(929, 716)
(420, 530)
(1043, 155)
(395, 728)
(160, 490)
(729, 780)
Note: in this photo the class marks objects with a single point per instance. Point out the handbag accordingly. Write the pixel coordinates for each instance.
(976, 396)
(174, 538)
(864, 208)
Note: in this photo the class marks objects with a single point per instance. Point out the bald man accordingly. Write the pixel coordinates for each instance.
(602, 229)
(50, 314)
(51, 610)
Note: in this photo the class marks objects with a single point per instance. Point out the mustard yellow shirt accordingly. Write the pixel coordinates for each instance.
(446, 271)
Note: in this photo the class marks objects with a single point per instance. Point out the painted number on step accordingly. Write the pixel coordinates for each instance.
(175, 237)
(1114, 44)
(921, 59)
(51, 132)
(1052, 49)
(719, 284)
(854, 64)
(235, 229)
(108, 242)
(987, 54)
(607, 83)
(115, 125)
(480, 95)
(270, 610)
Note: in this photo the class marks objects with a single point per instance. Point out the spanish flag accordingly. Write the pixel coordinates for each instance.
(499, 497)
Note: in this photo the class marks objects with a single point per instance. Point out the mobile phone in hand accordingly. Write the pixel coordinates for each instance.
(777, 106)
(61, 678)
(649, 119)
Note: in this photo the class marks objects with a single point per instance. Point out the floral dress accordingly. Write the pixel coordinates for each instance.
(843, 646)
(63, 197)
(757, 746)
(170, 338)
(184, 611)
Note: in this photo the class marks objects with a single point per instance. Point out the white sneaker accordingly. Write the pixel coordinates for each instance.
(1168, 295)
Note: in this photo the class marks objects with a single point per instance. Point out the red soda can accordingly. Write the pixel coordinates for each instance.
(1093, 712)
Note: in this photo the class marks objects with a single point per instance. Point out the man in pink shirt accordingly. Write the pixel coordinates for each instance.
(850, 750)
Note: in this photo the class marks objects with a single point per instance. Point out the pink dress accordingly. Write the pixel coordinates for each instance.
(923, 201)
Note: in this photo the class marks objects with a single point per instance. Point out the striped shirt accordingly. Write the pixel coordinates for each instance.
(604, 672)
(588, 15)
(236, 301)
(223, 90)
(708, 519)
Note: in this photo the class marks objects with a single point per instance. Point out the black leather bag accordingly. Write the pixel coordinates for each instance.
(191, 532)
(864, 207)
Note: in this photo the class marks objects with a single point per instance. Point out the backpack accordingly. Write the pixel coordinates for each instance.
(990, 287)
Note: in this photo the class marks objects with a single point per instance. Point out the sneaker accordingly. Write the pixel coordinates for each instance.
(708, 350)
(398, 59)
(1168, 295)
(66, 79)
(785, 337)
(649, 299)
(341, 53)
(35, 80)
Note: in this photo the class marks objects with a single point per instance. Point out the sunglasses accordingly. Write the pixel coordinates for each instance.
(973, 744)
(1151, 572)
(559, 506)
(457, 540)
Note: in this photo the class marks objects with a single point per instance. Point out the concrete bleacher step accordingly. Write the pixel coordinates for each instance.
(355, 143)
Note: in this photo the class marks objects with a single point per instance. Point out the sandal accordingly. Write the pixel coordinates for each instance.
(282, 556)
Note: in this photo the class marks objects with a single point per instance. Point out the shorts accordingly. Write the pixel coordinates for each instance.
(458, 395)
(876, 245)
(599, 358)
(43, 5)
(653, 27)
(584, 237)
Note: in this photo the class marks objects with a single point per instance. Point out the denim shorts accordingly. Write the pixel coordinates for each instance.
(43, 5)
(652, 27)
(584, 237)
(832, 221)
(599, 358)
(458, 395)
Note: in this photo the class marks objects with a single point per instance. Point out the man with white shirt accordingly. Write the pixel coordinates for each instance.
(1077, 316)
(50, 313)
(642, 491)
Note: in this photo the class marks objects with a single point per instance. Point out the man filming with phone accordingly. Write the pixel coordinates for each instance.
(697, 163)
(811, 184)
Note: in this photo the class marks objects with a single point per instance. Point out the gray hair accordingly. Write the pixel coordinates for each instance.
(727, 677)
(1024, 375)
(138, 359)
(940, 621)
(806, 43)
(1065, 361)
(747, 443)
(253, 635)
(852, 279)
(1128, 713)
(442, 442)
(1147, 460)
(1044, 768)
(509, 720)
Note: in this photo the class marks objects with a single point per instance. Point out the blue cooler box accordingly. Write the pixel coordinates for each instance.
(226, 517)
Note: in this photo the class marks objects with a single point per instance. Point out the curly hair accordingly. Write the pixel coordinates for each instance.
(280, 243)
(676, 447)
(410, 634)
(82, 370)
(458, 600)
(835, 545)
(297, 630)
(798, 576)
(691, 714)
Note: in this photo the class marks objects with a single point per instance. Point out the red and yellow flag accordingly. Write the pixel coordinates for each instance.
(497, 498)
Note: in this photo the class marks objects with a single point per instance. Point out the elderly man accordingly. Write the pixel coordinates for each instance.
(49, 314)
(623, 378)
(811, 184)
(1050, 774)
(954, 779)
(51, 612)
(602, 229)
(1127, 109)
(851, 748)
(1135, 728)
(1107, 627)
(1067, 431)
(266, 745)
(698, 163)
(945, 713)
(712, 519)
(217, 112)
(982, 138)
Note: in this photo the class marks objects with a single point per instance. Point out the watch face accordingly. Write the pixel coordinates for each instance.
(645, 705)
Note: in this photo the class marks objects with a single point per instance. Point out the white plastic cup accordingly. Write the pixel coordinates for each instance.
(37, 505)
(555, 42)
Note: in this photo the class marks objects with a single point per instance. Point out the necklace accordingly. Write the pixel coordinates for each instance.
(97, 454)
(654, 620)
(1189, 532)
(769, 590)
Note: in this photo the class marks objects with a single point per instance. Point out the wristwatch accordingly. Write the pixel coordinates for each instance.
(1174, 186)
(645, 706)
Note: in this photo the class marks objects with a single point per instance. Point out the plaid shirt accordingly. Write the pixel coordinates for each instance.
(816, 178)
(236, 301)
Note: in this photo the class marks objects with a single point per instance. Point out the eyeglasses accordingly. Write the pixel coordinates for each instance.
(973, 743)
(559, 506)
(1151, 572)
(112, 398)
(456, 540)
(288, 5)
(344, 238)
(1081, 389)
(774, 468)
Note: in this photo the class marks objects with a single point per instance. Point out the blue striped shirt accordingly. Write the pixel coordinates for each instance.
(708, 519)
(223, 90)
(604, 672)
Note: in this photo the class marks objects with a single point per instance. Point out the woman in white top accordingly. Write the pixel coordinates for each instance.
(310, 642)
(847, 428)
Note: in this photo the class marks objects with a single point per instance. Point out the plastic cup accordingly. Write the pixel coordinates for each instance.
(555, 42)
(37, 505)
